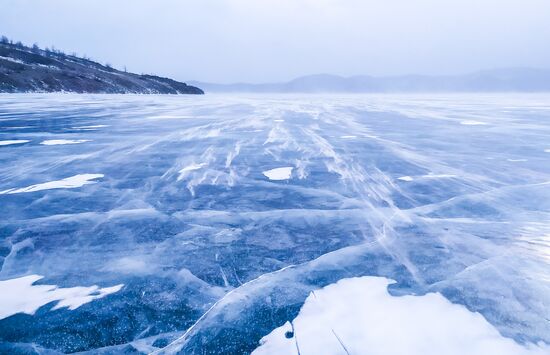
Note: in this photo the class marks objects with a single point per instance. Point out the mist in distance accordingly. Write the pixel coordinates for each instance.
(272, 41)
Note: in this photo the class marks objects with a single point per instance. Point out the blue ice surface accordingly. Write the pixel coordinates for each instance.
(214, 255)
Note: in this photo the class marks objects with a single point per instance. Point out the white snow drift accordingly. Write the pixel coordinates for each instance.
(279, 173)
(63, 141)
(21, 296)
(359, 316)
(13, 141)
(67, 183)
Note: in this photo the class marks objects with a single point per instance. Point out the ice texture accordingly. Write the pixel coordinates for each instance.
(169, 199)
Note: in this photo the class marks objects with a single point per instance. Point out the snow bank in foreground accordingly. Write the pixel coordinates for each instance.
(67, 183)
(279, 173)
(359, 316)
(21, 296)
(63, 141)
(15, 141)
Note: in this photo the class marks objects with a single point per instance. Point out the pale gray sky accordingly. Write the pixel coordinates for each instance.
(276, 40)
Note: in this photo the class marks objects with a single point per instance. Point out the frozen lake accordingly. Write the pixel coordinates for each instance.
(202, 224)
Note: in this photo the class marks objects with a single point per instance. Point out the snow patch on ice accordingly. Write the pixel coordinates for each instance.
(67, 183)
(348, 137)
(21, 296)
(472, 123)
(14, 141)
(405, 178)
(279, 341)
(279, 173)
(63, 141)
(358, 316)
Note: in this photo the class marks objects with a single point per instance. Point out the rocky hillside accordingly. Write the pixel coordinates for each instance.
(31, 69)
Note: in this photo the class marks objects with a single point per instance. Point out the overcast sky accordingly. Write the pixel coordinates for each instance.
(276, 40)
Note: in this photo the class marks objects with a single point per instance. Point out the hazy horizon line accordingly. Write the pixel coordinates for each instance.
(342, 76)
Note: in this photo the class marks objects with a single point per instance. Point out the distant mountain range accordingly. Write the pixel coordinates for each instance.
(498, 80)
(31, 69)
